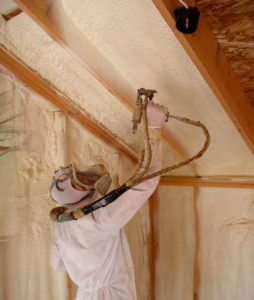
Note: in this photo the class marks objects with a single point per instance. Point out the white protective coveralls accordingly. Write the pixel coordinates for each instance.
(94, 249)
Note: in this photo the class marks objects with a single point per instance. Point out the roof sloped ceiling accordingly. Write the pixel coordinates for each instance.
(132, 37)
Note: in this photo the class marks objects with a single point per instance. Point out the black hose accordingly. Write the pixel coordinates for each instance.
(102, 202)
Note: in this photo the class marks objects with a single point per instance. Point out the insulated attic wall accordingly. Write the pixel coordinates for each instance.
(174, 240)
(25, 201)
(226, 239)
(25, 198)
(153, 59)
(226, 244)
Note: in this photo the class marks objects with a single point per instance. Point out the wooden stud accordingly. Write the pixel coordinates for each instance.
(42, 87)
(208, 182)
(68, 287)
(210, 60)
(196, 249)
(152, 246)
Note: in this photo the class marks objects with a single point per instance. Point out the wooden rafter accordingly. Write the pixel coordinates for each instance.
(47, 15)
(42, 87)
(210, 60)
(208, 182)
(15, 12)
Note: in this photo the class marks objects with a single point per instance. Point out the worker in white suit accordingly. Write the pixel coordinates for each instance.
(94, 249)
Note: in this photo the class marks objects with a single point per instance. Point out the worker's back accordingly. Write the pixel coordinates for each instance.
(98, 261)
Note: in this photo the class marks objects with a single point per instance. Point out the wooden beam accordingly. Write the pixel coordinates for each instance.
(68, 287)
(208, 182)
(49, 16)
(197, 243)
(42, 87)
(152, 246)
(4, 148)
(210, 60)
(15, 12)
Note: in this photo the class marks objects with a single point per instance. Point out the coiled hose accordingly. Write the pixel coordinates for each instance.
(63, 214)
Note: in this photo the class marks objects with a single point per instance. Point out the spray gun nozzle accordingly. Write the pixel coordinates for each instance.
(137, 114)
(148, 93)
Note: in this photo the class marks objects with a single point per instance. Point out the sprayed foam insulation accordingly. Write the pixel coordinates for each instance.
(73, 81)
(144, 53)
(25, 202)
(226, 238)
(227, 241)
(7, 6)
(63, 71)
(174, 252)
(142, 47)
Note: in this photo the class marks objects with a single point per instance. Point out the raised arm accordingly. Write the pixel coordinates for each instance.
(117, 214)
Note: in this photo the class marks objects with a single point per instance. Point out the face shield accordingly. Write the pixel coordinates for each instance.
(70, 187)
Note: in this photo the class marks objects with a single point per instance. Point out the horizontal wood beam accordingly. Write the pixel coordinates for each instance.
(208, 182)
(51, 18)
(42, 87)
(4, 148)
(206, 54)
(15, 12)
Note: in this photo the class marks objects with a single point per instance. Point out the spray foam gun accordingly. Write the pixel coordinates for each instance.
(140, 112)
(62, 214)
(141, 106)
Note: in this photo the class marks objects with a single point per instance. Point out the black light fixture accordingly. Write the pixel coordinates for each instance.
(186, 19)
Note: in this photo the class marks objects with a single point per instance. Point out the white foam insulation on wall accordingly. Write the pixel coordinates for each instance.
(226, 240)
(25, 202)
(137, 49)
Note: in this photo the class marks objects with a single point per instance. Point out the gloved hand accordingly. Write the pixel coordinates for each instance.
(156, 115)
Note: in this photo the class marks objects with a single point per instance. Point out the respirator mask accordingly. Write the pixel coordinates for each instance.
(70, 187)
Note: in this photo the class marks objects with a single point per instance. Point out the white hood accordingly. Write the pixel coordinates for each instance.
(66, 194)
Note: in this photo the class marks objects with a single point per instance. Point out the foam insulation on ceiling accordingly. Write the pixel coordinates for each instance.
(134, 37)
(70, 78)
(137, 42)
(144, 52)
(6, 6)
